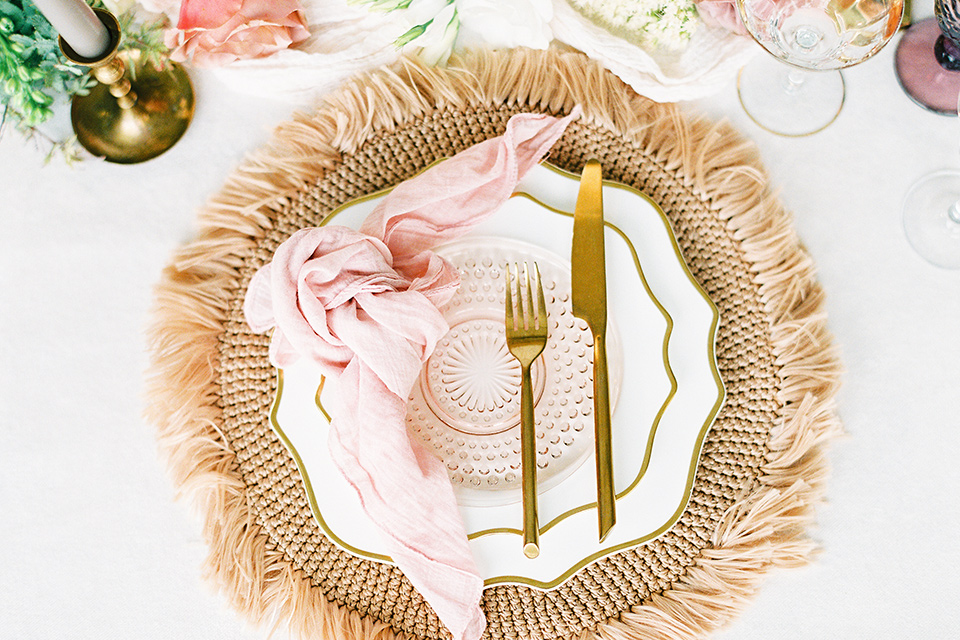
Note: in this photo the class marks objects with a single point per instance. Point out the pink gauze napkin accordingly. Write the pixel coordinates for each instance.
(364, 305)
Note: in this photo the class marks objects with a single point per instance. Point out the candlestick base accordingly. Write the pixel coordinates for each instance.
(136, 111)
(154, 123)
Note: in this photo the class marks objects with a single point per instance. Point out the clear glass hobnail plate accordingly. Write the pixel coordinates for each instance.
(670, 391)
(466, 404)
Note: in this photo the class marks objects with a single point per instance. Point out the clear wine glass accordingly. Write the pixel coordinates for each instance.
(931, 208)
(810, 36)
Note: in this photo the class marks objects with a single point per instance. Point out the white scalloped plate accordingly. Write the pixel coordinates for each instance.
(670, 393)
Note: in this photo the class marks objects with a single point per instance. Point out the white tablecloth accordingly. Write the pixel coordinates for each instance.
(94, 545)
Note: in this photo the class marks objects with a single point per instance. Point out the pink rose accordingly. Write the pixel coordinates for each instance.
(220, 31)
(721, 13)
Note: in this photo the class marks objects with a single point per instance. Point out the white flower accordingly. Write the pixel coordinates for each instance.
(422, 11)
(505, 23)
(171, 8)
(435, 27)
(116, 7)
(666, 24)
(439, 37)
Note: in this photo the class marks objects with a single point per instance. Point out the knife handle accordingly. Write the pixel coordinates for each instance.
(528, 466)
(606, 497)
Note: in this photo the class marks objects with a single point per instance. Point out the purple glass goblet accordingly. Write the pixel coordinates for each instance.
(928, 59)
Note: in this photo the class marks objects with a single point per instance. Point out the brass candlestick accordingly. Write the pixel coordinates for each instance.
(129, 119)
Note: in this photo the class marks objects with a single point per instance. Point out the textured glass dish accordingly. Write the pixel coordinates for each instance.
(466, 405)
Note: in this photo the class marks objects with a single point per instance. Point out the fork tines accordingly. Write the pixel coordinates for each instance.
(520, 315)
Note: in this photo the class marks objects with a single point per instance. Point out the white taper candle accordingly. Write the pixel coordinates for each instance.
(77, 24)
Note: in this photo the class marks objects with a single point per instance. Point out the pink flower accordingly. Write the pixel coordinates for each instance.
(220, 31)
(721, 13)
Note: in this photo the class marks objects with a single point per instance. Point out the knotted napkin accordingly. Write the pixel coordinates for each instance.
(364, 306)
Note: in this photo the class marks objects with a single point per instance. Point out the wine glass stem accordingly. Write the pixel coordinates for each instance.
(954, 212)
(793, 80)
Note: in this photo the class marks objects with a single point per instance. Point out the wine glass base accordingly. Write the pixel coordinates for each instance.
(921, 76)
(927, 222)
(789, 101)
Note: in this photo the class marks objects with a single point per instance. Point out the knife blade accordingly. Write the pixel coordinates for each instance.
(589, 296)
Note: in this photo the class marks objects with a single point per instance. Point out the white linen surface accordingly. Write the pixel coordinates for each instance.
(94, 545)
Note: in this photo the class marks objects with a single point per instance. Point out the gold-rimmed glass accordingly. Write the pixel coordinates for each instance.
(798, 89)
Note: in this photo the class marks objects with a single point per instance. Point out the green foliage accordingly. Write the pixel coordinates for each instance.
(32, 68)
(34, 72)
(144, 37)
(412, 34)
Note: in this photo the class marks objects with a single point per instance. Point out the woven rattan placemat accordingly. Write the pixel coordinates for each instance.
(762, 465)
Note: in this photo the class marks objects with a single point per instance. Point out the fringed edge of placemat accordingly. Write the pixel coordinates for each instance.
(765, 529)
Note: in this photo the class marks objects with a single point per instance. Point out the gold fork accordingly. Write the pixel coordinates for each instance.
(526, 338)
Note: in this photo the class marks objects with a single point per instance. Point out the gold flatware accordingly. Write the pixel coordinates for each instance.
(526, 338)
(589, 293)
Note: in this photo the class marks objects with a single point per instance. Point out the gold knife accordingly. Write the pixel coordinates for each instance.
(589, 293)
